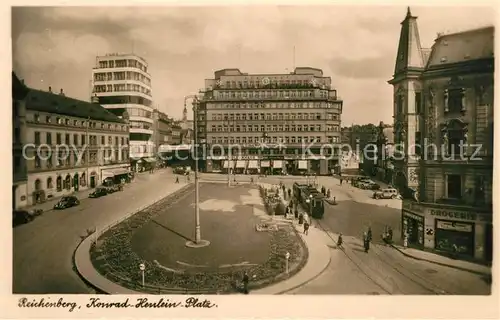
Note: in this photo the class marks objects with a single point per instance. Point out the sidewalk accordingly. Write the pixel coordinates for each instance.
(317, 261)
(444, 261)
(49, 204)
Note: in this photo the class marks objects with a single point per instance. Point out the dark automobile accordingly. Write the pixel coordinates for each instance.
(180, 170)
(67, 202)
(99, 192)
(21, 217)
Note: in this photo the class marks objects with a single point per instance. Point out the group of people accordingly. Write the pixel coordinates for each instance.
(325, 192)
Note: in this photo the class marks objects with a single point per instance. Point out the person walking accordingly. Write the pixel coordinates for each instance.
(245, 281)
(306, 225)
(366, 242)
(341, 181)
(177, 179)
(328, 194)
(340, 241)
(289, 193)
(369, 234)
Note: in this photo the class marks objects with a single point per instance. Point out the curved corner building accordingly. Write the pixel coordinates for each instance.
(122, 83)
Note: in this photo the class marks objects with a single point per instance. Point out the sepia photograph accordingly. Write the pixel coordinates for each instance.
(250, 150)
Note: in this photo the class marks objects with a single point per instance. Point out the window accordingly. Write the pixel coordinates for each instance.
(454, 100)
(399, 104)
(38, 161)
(48, 119)
(67, 138)
(103, 140)
(37, 137)
(75, 139)
(59, 183)
(454, 186)
(48, 138)
(58, 138)
(418, 102)
(37, 118)
(50, 185)
(479, 192)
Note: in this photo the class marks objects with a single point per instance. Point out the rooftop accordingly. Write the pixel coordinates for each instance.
(43, 101)
(463, 46)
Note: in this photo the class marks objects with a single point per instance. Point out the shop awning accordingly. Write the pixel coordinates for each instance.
(302, 164)
(120, 171)
(241, 164)
(253, 164)
(231, 165)
(277, 164)
(149, 160)
(264, 164)
(114, 172)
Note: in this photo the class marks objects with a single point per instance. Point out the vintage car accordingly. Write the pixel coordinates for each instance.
(67, 202)
(387, 193)
(98, 192)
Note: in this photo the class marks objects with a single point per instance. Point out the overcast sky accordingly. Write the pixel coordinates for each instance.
(355, 46)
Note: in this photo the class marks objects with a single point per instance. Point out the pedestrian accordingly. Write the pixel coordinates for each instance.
(339, 241)
(328, 194)
(366, 242)
(389, 234)
(246, 279)
(369, 234)
(289, 193)
(341, 181)
(296, 213)
(306, 226)
(177, 179)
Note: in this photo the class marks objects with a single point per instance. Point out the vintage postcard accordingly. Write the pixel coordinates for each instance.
(251, 160)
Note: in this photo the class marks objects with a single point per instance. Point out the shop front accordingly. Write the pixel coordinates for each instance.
(302, 166)
(149, 163)
(277, 167)
(451, 229)
(413, 229)
(240, 166)
(228, 165)
(265, 166)
(253, 167)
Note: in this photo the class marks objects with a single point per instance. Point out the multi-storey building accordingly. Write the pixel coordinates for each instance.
(122, 83)
(454, 95)
(19, 174)
(162, 129)
(270, 120)
(70, 145)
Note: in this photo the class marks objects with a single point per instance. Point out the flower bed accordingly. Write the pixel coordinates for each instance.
(113, 257)
(272, 202)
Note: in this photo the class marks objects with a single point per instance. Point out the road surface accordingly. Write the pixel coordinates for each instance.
(43, 248)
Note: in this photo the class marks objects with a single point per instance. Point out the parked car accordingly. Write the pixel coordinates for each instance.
(67, 202)
(388, 193)
(180, 170)
(368, 184)
(98, 192)
(21, 217)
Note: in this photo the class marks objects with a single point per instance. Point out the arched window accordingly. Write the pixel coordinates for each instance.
(83, 180)
(67, 182)
(38, 185)
(50, 184)
(59, 183)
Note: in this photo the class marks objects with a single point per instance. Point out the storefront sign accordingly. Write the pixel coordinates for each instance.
(454, 214)
(456, 226)
(413, 216)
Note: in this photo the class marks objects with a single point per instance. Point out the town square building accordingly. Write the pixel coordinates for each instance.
(270, 120)
(444, 98)
(68, 145)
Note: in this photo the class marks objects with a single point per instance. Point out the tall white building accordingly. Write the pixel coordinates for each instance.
(121, 82)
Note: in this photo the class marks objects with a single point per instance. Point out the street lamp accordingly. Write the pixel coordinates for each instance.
(229, 156)
(198, 242)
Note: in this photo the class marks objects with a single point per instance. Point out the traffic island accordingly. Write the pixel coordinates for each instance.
(157, 237)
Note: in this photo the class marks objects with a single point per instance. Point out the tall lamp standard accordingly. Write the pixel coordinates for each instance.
(229, 155)
(197, 242)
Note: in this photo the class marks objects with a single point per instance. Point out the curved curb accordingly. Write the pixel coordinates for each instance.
(84, 266)
(441, 263)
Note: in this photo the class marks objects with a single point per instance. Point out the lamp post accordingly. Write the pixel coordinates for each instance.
(197, 242)
(229, 155)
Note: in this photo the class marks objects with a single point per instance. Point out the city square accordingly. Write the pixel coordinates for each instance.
(177, 170)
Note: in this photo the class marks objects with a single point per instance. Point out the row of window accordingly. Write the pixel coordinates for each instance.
(78, 123)
(78, 139)
(285, 140)
(275, 116)
(123, 63)
(265, 82)
(269, 128)
(275, 94)
(122, 88)
(125, 100)
(137, 112)
(124, 75)
(453, 101)
(60, 183)
(46, 160)
(141, 125)
(276, 105)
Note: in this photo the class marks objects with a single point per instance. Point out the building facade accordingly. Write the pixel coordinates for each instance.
(453, 209)
(162, 129)
(121, 82)
(270, 120)
(70, 145)
(19, 173)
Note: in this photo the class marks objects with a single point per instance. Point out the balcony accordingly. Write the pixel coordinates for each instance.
(121, 69)
(122, 93)
(139, 118)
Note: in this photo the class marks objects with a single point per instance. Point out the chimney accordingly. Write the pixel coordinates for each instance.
(62, 93)
(50, 89)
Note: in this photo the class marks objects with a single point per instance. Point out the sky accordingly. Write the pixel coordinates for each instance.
(354, 45)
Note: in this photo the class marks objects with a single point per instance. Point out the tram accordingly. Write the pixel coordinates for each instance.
(303, 192)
